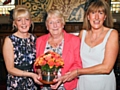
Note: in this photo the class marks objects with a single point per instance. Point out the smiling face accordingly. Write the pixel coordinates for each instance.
(23, 24)
(96, 18)
(55, 22)
(98, 14)
(22, 19)
(55, 25)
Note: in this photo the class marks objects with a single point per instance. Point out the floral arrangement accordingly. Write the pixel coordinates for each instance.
(49, 61)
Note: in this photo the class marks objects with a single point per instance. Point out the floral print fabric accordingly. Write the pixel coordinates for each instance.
(24, 56)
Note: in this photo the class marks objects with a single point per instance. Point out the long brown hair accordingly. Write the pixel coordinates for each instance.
(98, 5)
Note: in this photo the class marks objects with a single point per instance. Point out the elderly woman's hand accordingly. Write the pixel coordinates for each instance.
(59, 81)
(36, 78)
(38, 71)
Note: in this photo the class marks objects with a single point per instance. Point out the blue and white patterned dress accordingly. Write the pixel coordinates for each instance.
(24, 56)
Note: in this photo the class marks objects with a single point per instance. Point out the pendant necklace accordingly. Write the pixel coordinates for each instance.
(91, 41)
(55, 44)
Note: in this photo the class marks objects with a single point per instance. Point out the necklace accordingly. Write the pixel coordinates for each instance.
(91, 41)
(97, 37)
(55, 43)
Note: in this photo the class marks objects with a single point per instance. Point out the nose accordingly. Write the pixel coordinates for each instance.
(54, 24)
(23, 21)
(96, 16)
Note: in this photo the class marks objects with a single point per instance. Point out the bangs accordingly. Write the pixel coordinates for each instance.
(55, 14)
(97, 7)
(22, 13)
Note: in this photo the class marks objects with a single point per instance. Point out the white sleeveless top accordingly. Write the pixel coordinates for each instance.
(90, 57)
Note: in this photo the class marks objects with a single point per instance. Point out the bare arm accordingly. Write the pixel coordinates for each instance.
(8, 54)
(111, 52)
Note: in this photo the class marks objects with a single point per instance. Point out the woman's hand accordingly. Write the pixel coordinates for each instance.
(36, 78)
(59, 81)
(67, 77)
(38, 71)
(71, 75)
(57, 84)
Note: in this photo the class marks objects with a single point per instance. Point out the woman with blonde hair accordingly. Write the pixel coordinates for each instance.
(19, 52)
(63, 43)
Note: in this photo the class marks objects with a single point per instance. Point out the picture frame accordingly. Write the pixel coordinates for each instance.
(73, 10)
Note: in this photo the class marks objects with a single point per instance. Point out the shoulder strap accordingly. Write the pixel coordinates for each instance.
(83, 35)
(107, 35)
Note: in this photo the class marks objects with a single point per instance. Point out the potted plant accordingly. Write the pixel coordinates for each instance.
(49, 63)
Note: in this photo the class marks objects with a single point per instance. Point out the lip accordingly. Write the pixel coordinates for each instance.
(54, 29)
(23, 27)
(96, 22)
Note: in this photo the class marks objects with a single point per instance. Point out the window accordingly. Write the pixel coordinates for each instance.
(115, 6)
(6, 6)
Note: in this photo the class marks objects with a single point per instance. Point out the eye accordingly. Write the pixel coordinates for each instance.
(18, 20)
(101, 12)
(58, 21)
(27, 19)
(50, 22)
(93, 12)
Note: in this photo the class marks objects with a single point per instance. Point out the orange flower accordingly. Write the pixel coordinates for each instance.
(47, 57)
(42, 62)
(59, 62)
(49, 60)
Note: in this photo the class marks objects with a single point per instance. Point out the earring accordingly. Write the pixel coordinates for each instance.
(104, 19)
(14, 27)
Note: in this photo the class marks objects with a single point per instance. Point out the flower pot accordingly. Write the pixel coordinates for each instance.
(47, 77)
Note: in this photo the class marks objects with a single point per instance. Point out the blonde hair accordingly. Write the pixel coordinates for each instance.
(98, 5)
(22, 11)
(55, 13)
